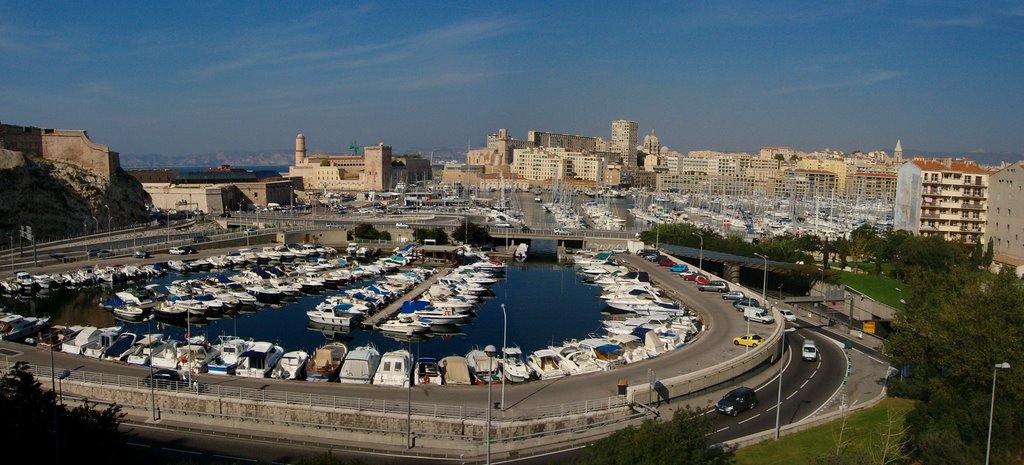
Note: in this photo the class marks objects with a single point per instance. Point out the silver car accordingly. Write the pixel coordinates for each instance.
(733, 295)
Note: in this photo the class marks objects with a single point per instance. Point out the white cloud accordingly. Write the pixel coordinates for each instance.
(859, 81)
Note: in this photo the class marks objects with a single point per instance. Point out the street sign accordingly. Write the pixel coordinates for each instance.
(26, 232)
(869, 327)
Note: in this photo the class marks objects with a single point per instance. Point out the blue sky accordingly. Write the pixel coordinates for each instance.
(156, 77)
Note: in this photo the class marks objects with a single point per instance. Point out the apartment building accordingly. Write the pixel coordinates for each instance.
(624, 138)
(943, 198)
(1005, 226)
(871, 186)
(802, 183)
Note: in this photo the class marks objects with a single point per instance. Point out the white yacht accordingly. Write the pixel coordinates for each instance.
(142, 352)
(85, 336)
(291, 366)
(16, 327)
(230, 349)
(513, 368)
(546, 364)
(360, 365)
(259, 360)
(394, 369)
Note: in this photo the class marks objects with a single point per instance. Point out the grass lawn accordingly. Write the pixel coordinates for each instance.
(861, 430)
(877, 287)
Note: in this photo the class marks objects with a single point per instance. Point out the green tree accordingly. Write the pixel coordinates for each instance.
(681, 440)
(29, 420)
(779, 157)
(472, 233)
(986, 260)
(439, 235)
(366, 231)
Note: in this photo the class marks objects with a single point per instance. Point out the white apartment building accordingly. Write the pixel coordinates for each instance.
(624, 137)
(543, 163)
(942, 198)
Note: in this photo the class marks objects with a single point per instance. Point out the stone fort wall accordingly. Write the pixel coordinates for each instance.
(61, 145)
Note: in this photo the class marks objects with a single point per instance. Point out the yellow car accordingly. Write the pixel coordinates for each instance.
(750, 340)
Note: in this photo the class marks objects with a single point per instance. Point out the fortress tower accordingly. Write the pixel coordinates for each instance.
(300, 149)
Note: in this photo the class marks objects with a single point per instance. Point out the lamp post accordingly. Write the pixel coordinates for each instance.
(94, 220)
(56, 418)
(152, 380)
(764, 290)
(408, 412)
(504, 345)
(992, 407)
(490, 351)
(782, 363)
(700, 262)
(85, 230)
(108, 218)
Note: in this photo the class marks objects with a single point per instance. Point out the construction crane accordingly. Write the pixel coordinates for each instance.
(354, 147)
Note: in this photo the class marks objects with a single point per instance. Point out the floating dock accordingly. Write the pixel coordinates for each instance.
(392, 309)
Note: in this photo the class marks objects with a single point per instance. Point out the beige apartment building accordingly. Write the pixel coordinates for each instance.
(833, 166)
(1005, 226)
(943, 198)
(801, 183)
(624, 138)
(871, 186)
(538, 164)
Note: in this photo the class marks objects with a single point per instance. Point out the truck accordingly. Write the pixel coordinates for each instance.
(758, 314)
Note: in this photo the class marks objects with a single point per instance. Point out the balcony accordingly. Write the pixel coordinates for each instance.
(979, 220)
(931, 181)
(933, 216)
(972, 195)
(972, 206)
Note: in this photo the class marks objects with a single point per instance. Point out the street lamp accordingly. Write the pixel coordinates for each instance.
(782, 363)
(108, 218)
(700, 262)
(991, 409)
(490, 351)
(85, 229)
(504, 345)
(94, 220)
(152, 380)
(764, 284)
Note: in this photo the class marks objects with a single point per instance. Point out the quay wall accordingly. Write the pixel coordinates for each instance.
(387, 428)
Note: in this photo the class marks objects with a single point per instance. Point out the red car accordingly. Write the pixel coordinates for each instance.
(666, 262)
(689, 275)
(701, 279)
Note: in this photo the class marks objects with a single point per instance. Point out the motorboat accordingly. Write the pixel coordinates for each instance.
(98, 345)
(455, 370)
(486, 369)
(265, 294)
(166, 356)
(259, 360)
(360, 365)
(513, 368)
(16, 327)
(326, 361)
(122, 346)
(607, 354)
(394, 369)
(129, 312)
(142, 352)
(230, 348)
(291, 366)
(403, 324)
(546, 364)
(197, 354)
(341, 314)
(85, 336)
(427, 371)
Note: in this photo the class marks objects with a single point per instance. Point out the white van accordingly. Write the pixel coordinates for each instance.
(758, 314)
(809, 351)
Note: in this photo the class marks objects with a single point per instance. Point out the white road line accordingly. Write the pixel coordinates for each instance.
(802, 385)
(791, 395)
(748, 419)
(723, 429)
(179, 450)
(812, 374)
(228, 457)
(137, 444)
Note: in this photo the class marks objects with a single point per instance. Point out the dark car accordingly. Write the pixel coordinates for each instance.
(736, 401)
(61, 258)
(746, 302)
(198, 239)
(100, 253)
(165, 379)
(188, 250)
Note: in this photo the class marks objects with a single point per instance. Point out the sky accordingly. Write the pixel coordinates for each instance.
(178, 78)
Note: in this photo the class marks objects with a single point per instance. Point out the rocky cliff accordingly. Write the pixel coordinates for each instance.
(56, 198)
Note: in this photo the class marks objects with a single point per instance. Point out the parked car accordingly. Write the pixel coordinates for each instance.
(809, 351)
(758, 314)
(249, 231)
(141, 254)
(717, 286)
(100, 253)
(733, 295)
(666, 262)
(165, 379)
(679, 268)
(60, 258)
(643, 252)
(188, 250)
(177, 251)
(690, 275)
(401, 225)
(746, 301)
(749, 340)
(788, 315)
(561, 231)
(651, 257)
(737, 400)
(701, 279)
(200, 238)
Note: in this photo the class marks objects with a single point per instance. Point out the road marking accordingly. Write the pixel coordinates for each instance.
(812, 374)
(802, 385)
(723, 429)
(791, 395)
(137, 444)
(179, 450)
(748, 419)
(228, 457)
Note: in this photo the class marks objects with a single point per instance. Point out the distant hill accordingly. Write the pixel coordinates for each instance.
(234, 157)
(983, 158)
(257, 158)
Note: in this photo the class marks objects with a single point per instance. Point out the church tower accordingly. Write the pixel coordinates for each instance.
(897, 152)
(300, 150)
